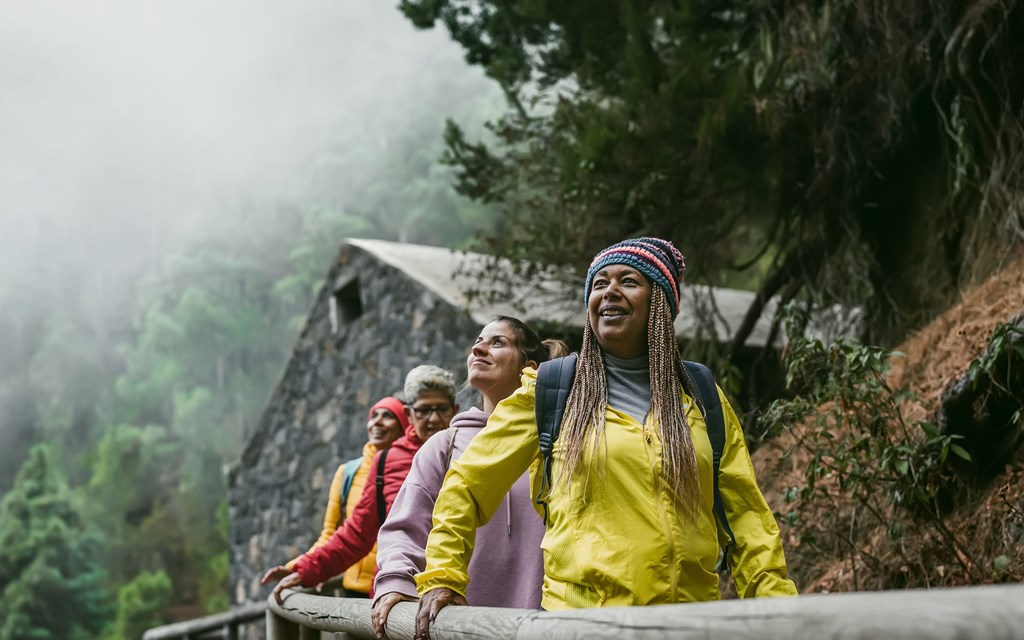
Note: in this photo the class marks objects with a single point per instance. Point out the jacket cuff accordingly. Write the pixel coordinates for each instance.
(447, 578)
(307, 569)
(773, 586)
(394, 584)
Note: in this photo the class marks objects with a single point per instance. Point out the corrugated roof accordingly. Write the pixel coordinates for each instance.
(552, 297)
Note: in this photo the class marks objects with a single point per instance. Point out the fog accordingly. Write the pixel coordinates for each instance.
(127, 126)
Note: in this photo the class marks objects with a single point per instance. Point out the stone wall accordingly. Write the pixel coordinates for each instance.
(315, 418)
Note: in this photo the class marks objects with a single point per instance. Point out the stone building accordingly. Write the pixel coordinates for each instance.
(385, 308)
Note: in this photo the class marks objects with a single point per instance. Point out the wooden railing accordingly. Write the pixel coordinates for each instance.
(227, 624)
(986, 612)
(222, 625)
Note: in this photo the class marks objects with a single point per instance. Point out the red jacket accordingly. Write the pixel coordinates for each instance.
(357, 535)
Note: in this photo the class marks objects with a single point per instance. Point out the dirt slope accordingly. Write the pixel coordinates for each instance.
(989, 527)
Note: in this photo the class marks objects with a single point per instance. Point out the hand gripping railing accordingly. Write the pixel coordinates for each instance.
(994, 611)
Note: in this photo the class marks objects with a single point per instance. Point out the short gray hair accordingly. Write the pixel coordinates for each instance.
(428, 377)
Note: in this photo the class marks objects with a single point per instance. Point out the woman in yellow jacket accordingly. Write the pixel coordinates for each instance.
(386, 423)
(630, 510)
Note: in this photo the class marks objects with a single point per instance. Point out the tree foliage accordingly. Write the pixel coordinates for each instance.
(140, 603)
(146, 403)
(53, 586)
(859, 150)
(899, 493)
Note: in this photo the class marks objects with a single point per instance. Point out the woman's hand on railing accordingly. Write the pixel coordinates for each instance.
(382, 607)
(291, 581)
(430, 604)
(274, 574)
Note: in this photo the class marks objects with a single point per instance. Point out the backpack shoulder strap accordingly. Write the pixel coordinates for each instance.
(714, 418)
(554, 382)
(347, 476)
(452, 432)
(382, 512)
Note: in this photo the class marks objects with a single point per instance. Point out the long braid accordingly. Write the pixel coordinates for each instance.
(584, 410)
(678, 459)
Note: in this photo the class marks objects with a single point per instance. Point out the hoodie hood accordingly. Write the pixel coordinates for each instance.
(410, 435)
(471, 418)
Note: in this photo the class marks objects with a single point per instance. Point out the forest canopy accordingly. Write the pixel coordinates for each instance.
(853, 151)
(145, 396)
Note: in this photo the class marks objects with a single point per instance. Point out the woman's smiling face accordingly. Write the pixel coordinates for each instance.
(383, 428)
(495, 359)
(618, 307)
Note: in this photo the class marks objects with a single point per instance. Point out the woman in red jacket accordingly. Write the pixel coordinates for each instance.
(385, 423)
(431, 391)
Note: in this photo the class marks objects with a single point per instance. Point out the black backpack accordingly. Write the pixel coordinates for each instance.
(554, 381)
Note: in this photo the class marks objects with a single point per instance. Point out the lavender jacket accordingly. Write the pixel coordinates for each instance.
(507, 568)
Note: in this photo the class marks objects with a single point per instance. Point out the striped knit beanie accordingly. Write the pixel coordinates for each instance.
(657, 259)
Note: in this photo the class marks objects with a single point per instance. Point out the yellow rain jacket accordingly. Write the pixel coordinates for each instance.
(358, 577)
(619, 542)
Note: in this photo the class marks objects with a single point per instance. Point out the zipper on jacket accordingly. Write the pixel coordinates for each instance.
(667, 509)
(671, 541)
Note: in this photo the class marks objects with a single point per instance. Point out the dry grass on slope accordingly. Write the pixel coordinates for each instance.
(834, 543)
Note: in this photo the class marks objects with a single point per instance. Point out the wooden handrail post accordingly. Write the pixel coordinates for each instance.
(307, 633)
(279, 628)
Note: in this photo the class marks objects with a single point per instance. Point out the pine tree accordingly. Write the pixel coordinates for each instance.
(140, 603)
(52, 582)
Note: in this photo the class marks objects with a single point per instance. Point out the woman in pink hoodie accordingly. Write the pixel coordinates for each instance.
(507, 570)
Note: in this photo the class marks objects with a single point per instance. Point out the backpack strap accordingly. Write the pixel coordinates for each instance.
(452, 432)
(348, 474)
(554, 381)
(382, 512)
(347, 477)
(714, 418)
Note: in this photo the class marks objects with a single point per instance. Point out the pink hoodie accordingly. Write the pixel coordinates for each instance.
(507, 568)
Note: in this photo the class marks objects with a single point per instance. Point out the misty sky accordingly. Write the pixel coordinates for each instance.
(126, 125)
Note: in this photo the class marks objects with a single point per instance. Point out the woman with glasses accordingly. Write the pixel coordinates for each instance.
(386, 423)
(507, 570)
(631, 514)
(430, 392)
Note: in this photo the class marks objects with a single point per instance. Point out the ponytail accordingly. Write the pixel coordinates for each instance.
(531, 347)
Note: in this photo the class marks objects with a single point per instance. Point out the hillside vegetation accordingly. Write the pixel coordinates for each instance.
(899, 490)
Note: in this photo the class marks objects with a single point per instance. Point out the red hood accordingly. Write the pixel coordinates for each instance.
(410, 433)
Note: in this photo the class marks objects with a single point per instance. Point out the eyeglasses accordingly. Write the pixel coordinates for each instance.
(442, 410)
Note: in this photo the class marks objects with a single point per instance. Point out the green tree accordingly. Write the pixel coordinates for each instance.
(132, 499)
(147, 402)
(139, 605)
(53, 584)
(625, 118)
(862, 152)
